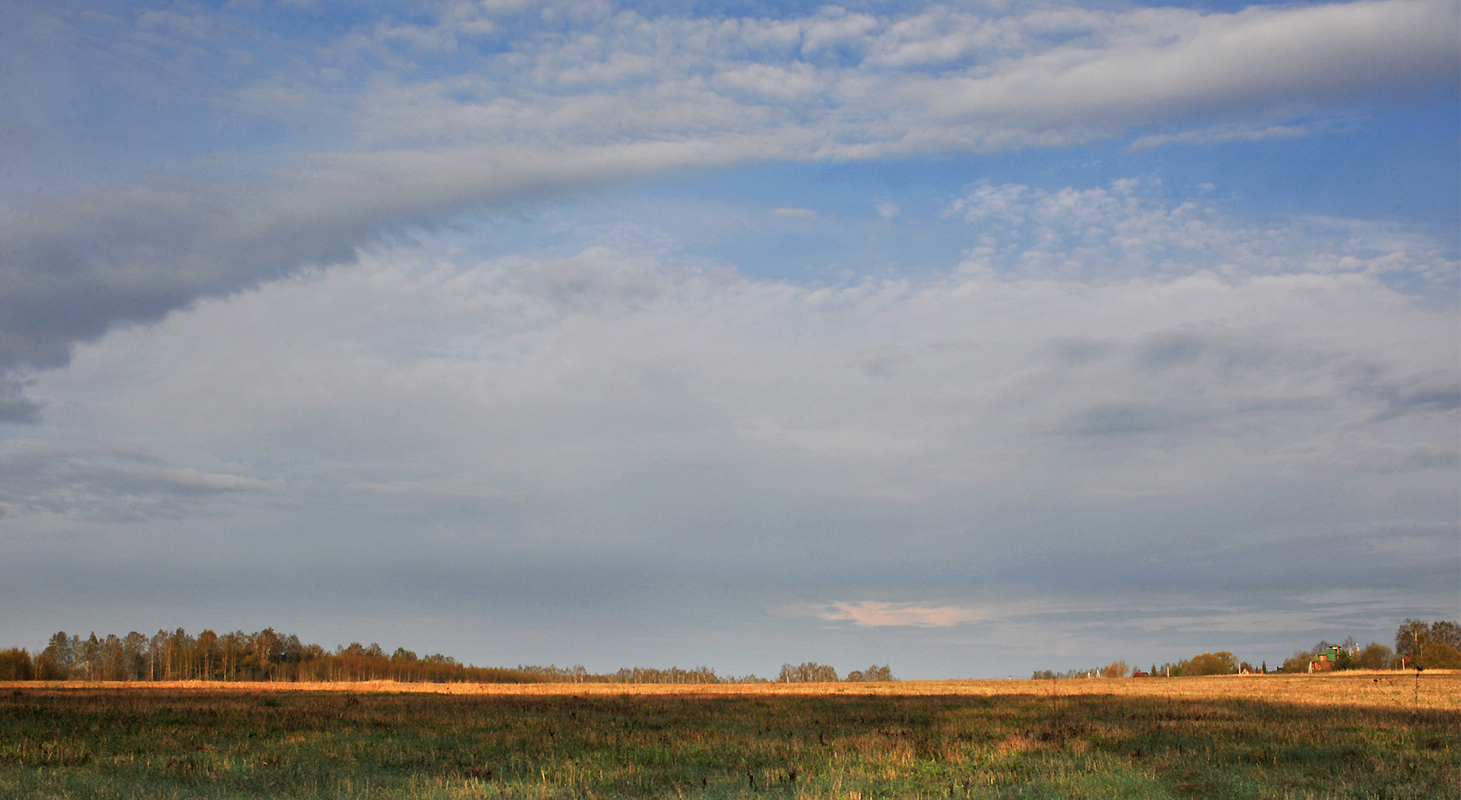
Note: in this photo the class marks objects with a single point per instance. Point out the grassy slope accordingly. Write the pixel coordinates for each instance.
(1346, 735)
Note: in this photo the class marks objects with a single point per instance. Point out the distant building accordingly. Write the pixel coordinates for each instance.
(1325, 660)
(1140, 674)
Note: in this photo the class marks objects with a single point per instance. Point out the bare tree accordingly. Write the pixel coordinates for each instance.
(1411, 637)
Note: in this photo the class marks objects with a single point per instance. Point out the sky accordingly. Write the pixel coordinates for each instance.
(973, 338)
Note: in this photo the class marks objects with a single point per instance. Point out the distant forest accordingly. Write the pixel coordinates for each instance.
(271, 656)
(1436, 645)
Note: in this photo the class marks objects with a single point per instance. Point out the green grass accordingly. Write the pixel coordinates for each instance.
(110, 743)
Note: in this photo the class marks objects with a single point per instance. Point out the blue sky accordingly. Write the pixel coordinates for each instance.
(976, 338)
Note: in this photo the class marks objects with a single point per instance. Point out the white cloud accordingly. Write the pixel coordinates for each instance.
(1220, 134)
(888, 210)
(1030, 78)
(795, 213)
(875, 614)
(1123, 231)
(782, 83)
(588, 95)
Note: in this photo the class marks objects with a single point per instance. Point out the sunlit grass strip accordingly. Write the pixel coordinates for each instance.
(1371, 688)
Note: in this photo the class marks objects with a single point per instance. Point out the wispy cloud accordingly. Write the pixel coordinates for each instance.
(795, 213)
(1124, 229)
(113, 484)
(875, 614)
(1219, 135)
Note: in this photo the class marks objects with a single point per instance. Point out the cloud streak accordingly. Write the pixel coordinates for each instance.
(875, 614)
(108, 484)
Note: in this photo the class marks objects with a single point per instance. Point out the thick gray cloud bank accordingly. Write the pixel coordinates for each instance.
(882, 457)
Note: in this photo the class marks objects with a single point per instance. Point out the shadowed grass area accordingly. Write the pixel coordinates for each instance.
(127, 742)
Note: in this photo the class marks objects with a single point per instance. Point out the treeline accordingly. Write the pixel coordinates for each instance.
(271, 656)
(578, 674)
(807, 672)
(812, 672)
(1418, 644)
(1219, 663)
(262, 656)
(1436, 645)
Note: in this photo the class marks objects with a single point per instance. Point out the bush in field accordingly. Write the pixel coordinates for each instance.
(873, 673)
(48, 670)
(1299, 662)
(1116, 669)
(1439, 655)
(15, 665)
(1446, 633)
(1219, 663)
(1375, 656)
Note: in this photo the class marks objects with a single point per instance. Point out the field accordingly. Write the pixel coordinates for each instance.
(1381, 734)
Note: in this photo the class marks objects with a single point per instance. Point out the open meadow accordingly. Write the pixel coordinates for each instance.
(1353, 734)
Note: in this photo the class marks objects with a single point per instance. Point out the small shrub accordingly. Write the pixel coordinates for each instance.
(1439, 655)
(873, 673)
(1375, 656)
(1219, 663)
(1299, 662)
(15, 665)
(1116, 669)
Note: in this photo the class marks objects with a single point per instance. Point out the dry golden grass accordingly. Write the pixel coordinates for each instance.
(1433, 689)
(1381, 734)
